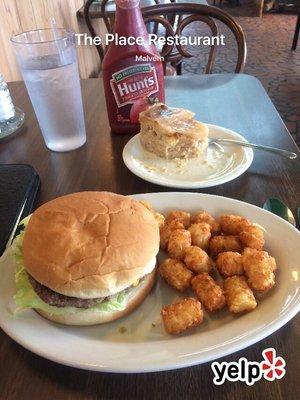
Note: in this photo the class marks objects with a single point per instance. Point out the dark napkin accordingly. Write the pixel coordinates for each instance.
(18, 183)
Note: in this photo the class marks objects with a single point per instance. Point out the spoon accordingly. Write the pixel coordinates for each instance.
(277, 207)
(284, 153)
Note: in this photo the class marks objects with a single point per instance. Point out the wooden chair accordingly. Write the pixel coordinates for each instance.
(220, 2)
(237, 2)
(186, 13)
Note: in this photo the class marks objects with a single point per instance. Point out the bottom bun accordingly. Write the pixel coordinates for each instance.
(90, 317)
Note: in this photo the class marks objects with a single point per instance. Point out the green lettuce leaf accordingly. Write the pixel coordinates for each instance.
(26, 297)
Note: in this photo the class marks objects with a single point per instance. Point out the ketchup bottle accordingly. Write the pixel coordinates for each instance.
(132, 73)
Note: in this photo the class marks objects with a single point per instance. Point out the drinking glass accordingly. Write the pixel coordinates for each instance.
(48, 63)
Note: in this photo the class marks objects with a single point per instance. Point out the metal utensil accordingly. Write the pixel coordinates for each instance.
(277, 207)
(284, 153)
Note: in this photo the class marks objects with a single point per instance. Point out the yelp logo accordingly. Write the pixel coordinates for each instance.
(273, 367)
(270, 368)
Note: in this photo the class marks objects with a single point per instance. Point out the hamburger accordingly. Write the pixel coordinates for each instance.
(86, 258)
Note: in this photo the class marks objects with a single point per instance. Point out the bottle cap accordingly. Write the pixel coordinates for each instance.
(126, 4)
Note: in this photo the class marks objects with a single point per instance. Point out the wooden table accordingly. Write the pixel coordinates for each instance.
(234, 101)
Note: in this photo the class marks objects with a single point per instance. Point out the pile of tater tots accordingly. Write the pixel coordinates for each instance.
(198, 247)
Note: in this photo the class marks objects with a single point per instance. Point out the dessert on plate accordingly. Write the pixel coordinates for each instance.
(172, 132)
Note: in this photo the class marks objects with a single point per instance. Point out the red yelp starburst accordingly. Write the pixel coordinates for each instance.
(273, 367)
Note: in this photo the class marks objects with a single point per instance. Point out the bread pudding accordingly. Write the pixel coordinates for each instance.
(172, 132)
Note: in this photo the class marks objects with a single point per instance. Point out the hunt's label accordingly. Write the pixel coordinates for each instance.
(134, 82)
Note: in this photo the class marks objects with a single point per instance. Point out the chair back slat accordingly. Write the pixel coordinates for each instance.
(214, 30)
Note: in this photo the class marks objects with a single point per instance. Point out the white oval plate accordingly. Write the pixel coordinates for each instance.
(215, 167)
(145, 346)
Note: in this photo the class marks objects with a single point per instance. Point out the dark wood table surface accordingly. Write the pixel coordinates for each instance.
(235, 101)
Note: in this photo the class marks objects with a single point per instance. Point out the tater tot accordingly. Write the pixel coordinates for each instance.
(229, 263)
(233, 224)
(219, 244)
(179, 241)
(253, 237)
(176, 274)
(166, 230)
(239, 297)
(200, 234)
(182, 315)
(208, 292)
(259, 269)
(197, 260)
(203, 216)
(181, 216)
(262, 255)
(159, 217)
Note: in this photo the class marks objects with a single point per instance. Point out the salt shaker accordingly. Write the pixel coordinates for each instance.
(11, 117)
(7, 109)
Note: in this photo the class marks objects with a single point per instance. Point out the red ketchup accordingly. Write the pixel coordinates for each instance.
(131, 84)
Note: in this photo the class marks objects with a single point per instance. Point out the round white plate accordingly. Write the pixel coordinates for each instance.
(145, 346)
(218, 164)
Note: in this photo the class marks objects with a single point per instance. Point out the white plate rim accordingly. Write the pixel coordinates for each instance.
(233, 348)
(248, 154)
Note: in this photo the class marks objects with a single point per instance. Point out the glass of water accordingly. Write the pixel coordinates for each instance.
(48, 63)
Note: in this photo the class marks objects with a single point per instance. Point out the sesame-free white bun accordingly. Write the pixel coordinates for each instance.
(90, 244)
(92, 317)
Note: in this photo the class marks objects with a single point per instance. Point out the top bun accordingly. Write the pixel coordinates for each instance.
(90, 244)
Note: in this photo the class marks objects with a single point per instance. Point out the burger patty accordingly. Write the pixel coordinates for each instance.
(53, 298)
